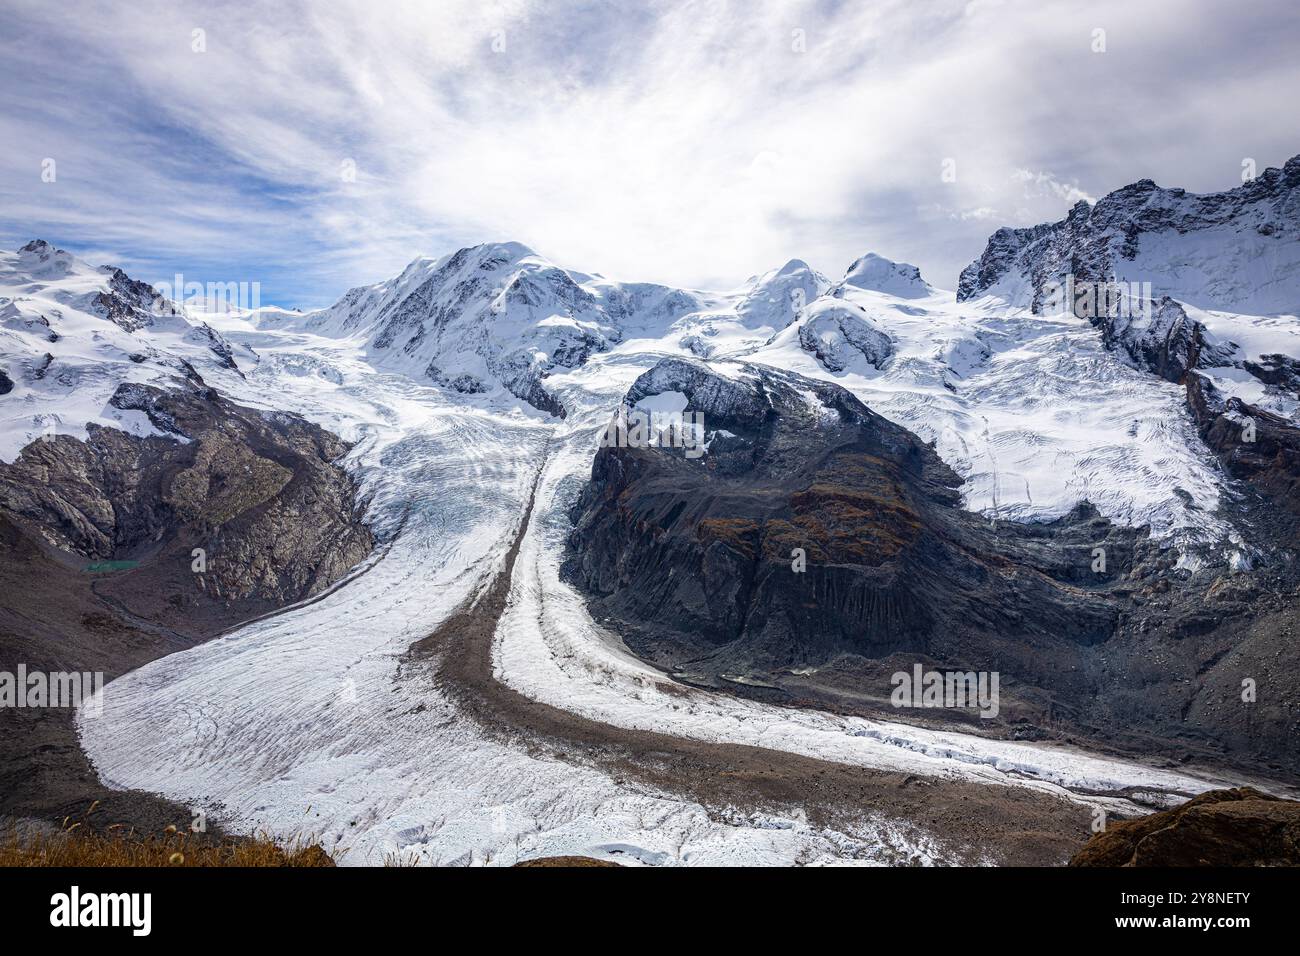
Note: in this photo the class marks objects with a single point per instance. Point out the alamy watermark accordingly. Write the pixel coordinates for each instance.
(641, 428)
(59, 689)
(1107, 299)
(955, 689)
(213, 296)
(74, 908)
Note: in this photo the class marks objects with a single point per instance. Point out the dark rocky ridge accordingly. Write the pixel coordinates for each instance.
(259, 492)
(1260, 449)
(692, 561)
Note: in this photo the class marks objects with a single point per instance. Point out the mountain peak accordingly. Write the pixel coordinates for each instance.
(875, 273)
(1232, 250)
(497, 252)
(484, 255)
(794, 266)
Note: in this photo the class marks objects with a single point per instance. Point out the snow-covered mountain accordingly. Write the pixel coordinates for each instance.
(1214, 278)
(1036, 406)
(1036, 409)
(1036, 412)
(71, 333)
(1033, 411)
(499, 316)
(1237, 250)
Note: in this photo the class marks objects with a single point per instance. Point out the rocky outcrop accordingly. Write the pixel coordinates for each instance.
(259, 493)
(129, 303)
(565, 861)
(699, 554)
(1164, 342)
(522, 376)
(841, 335)
(1238, 827)
(1256, 447)
(119, 549)
(816, 549)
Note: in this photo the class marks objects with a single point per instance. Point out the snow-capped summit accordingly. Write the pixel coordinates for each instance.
(775, 297)
(875, 273)
(1235, 250)
(499, 317)
(71, 333)
(41, 260)
(485, 317)
(1208, 282)
(1023, 405)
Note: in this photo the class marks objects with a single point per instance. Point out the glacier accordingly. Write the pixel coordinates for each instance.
(313, 723)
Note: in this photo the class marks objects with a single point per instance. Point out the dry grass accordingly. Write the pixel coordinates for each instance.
(77, 845)
(566, 861)
(739, 534)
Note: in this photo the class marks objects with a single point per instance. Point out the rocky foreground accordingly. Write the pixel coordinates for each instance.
(1238, 827)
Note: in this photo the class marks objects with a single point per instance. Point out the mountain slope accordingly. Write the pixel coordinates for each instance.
(141, 510)
(71, 334)
(1237, 250)
(1216, 276)
(500, 316)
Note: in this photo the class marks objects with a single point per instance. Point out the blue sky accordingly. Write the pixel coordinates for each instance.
(688, 143)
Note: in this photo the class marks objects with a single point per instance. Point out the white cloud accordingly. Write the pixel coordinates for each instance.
(1044, 183)
(683, 142)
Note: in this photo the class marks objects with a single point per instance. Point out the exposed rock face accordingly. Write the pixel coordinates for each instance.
(1166, 342)
(258, 492)
(699, 553)
(840, 334)
(1239, 827)
(129, 303)
(1102, 242)
(1256, 447)
(694, 561)
(565, 861)
(98, 572)
(702, 548)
